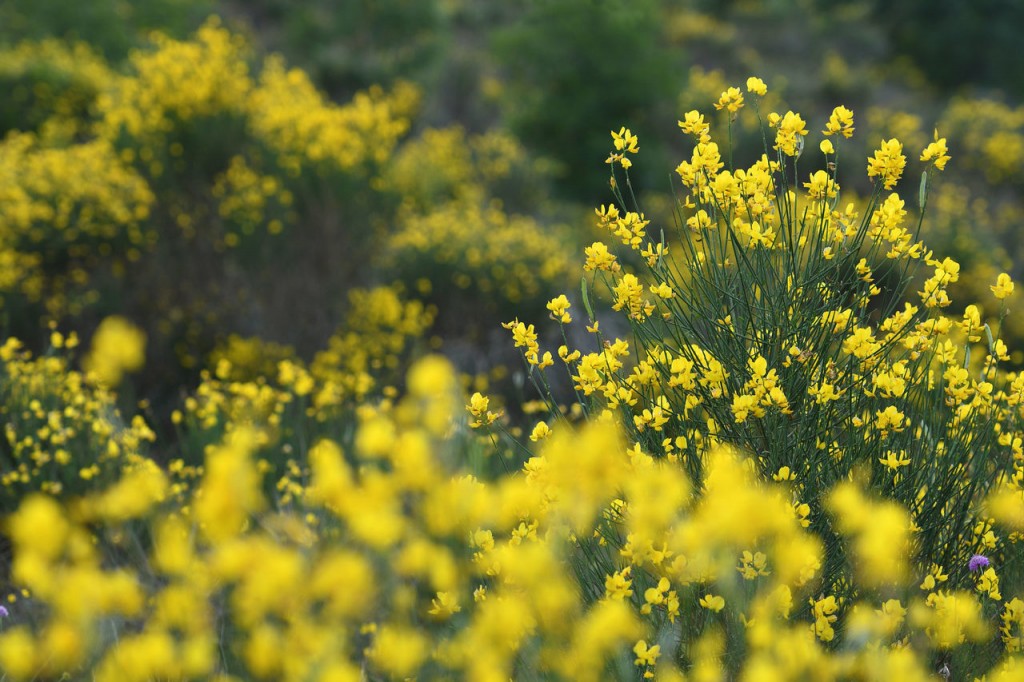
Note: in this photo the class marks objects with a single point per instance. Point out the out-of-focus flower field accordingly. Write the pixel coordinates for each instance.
(346, 343)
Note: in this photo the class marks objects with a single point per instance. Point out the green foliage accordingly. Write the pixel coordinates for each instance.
(111, 27)
(959, 44)
(352, 45)
(575, 67)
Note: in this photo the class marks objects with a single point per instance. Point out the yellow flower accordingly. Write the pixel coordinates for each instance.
(757, 86)
(599, 258)
(753, 564)
(790, 138)
(172, 549)
(890, 418)
(625, 141)
(988, 583)
(117, 347)
(655, 596)
(1003, 286)
(444, 605)
(663, 290)
(731, 99)
(936, 152)
(841, 121)
(888, 163)
(693, 123)
(894, 460)
(934, 577)
(617, 585)
(524, 336)
(559, 308)
(950, 618)
(891, 615)
(629, 296)
(19, 653)
(478, 404)
(135, 494)
(784, 474)
(646, 655)
(231, 486)
(826, 147)
(398, 650)
(879, 532)
(64, 644)
(1013, 615)
(566, 356)
(39, 527)
(654, 252)
(713, 602)
(821, 185)
(744, 405)
(824, 615)
(824, 393)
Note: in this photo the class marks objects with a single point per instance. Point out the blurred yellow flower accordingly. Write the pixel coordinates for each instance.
(646, 655)
(117, 347)
(757, 86)
(444, 605)
(713, 602)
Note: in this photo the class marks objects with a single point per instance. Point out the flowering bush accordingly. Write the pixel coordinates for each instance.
(52, 87)
(64, 433)
(266, 387)
(779, 320)
(63, 214)
(173, 191)
(463, 250)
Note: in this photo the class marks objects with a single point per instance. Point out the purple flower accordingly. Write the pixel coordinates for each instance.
(4, 612)
(977, 562)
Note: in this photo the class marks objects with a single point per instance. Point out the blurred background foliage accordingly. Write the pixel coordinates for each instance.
(232, 182)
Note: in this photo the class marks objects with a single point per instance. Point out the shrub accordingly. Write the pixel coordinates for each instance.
(780, 321)
(66, 213)
(64, 433)
(476, 258)
(53, 87)
(199, 177)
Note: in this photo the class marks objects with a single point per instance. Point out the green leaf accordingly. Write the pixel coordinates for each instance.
(586, 299)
